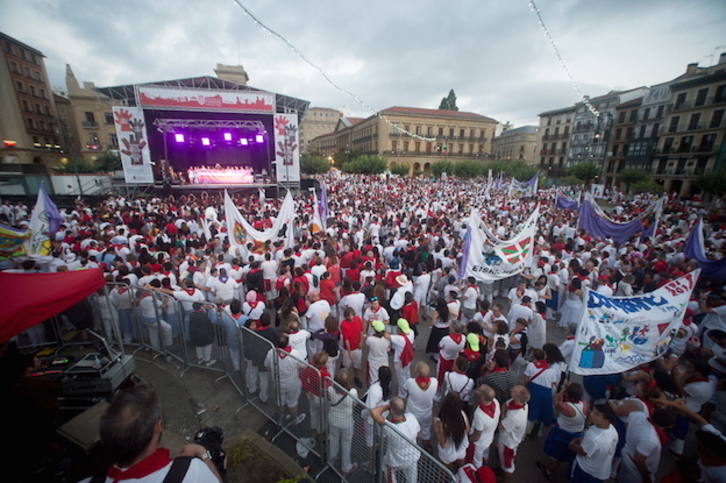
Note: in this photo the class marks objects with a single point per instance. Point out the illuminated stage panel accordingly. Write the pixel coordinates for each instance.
(220, 176)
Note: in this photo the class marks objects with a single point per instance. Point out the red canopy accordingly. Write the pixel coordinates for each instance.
(30, 298)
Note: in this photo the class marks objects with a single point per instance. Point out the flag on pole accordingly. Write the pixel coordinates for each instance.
(323, 207)
(44, 223)
(316, 224)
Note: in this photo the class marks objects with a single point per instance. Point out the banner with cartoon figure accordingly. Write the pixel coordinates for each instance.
(486, 258)
(617, 334)
(133, 143)
(11, 241)
(287, 152)
(241, 232)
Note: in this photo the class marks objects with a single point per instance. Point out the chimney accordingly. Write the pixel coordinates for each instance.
(692, 68)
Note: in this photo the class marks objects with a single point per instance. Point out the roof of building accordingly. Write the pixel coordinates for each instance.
(557, 111)
(21, 44)
(126, 93)
(417, 111)
(634, 103)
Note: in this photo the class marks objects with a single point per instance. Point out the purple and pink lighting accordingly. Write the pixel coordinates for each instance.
(206, 142)
(178, 137)
(228, 136)
(243, 141)
(259, 138)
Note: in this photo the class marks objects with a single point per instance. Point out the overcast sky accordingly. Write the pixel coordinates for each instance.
(493, 53)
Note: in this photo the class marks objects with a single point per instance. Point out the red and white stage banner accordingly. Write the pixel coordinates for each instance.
(220, 176)
(205, 100)
(133, 144)
(287, 144)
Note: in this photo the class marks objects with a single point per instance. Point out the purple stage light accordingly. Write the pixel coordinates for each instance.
(228, 136)
(178, 137)
(243, 142)
(206, 142)
(260, 138)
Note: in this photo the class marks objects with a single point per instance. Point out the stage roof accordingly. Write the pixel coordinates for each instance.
(126, 94)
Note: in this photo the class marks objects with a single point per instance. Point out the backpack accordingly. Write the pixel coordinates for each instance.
(331, 346)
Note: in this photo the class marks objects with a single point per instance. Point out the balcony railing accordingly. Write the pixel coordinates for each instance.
(90, 124)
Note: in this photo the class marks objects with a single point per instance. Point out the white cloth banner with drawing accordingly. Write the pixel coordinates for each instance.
(241, 233)
(617, 334)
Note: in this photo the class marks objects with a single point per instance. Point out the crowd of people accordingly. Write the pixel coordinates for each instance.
(352, 299)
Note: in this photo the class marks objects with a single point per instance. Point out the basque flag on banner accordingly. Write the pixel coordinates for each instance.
(518, 251)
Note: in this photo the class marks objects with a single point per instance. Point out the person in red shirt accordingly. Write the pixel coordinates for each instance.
(352, 330)
(328, 290)
(409, 311)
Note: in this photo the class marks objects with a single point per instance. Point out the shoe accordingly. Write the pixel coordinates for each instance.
(352, 468)
(299, 419)
(358, 382)
(210, 362)
(543, 468)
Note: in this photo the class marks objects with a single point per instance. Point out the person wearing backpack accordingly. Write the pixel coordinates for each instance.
(132, 443)
(331, 338)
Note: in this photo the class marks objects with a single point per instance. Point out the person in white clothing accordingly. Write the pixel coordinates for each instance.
(289, 364)
(512, 429)
(403, 353)
(315, 316)
(341, 400)
(378, 348)
(224, 287)
(420, 392)
(484, 424)
(298, 338)
(596, 449)
(400, 455)
(642, 451)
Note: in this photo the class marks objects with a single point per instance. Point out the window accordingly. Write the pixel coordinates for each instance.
(429, 131)
(37, 108)
(461, 133)
(693, 123)
(94, 138)
(720, 94)
(674, 124)
(659, 113)
(680, 100)
(47, 110)
(471, 149)
(634, 115)
(26, 106)
(646, 113)
(471, 133)
(451, 132)
(31, 123)
(707, 142)
(618, 134)
(716, 118)
(20, 86)
(441, 131)
(407, 128)
(405, 146)
(394, 145)
(668, 145)
(482, 134)
(417, 145)
(686, 143)
(428, 147)
(28, 73)
(461, 149)
(32, 91)
(621, 117)
(418, 129)
(109, 118)
(9, 47)
(656, 128)
(14, 67)
(42, 125)
(37, 76)
(23, 53)
(615, 149)
(701, 96)
(42, 94)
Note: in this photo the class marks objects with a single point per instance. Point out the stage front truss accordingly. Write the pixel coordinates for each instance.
(171, 125)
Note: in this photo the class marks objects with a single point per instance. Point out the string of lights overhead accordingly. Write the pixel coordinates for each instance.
(325, 76)
(585, 100)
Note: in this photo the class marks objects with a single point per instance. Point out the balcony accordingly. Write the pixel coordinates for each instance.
(90, 124)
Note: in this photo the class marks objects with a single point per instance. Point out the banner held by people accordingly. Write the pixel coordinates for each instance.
(11, 241)
(617, 334)
(44, 223)
(241, 232)
(486, 258)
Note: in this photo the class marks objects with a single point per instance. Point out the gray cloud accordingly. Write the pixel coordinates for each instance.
(409, 53)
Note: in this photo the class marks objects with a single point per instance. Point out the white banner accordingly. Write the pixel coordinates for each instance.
(617, 334)
(287, 152)
(133, 144)
(205, 100)
(487, 258)
(241, 232)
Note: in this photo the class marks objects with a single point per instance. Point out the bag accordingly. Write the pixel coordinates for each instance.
(212, 439)
(331, 347)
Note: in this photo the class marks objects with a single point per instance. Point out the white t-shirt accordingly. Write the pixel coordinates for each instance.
(548, 378)
(514, 426)
(198, 472)
(298, 340)
(316, 314)
(698, 394)
(485, 424)
(600, 445)
(641, 437)
(399, 452)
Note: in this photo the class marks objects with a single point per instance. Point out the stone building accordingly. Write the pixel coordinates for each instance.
(517, 144)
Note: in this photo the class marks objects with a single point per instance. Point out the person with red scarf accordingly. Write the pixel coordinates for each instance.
(644, 439)
(403, 353)
(130, 433)
(484, 424)
(512, 429)
(420, 391)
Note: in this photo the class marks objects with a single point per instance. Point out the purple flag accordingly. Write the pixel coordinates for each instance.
(695, 249)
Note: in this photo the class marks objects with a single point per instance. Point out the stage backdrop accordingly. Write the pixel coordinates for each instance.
(617, 334)
(287, 152)
(205, 99)
(135, 154)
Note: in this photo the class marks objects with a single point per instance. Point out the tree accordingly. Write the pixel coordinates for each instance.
(448, 103)
(79, 165)
(109, 161)
(314, 164)
(366, 164)
(584, 171)
(439, 167)
(468, 169)
(631, 177)
(647, 185)
(712, 183)
(400, 169)
(346, 155)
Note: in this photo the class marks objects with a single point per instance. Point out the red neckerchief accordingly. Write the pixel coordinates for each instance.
(489, 409)
(541, 364)
(166, 273)
(122, 290)
(647, 402)
(190, 291)
(696, 379)
(570, 337)
(237, 316)
(407, 352)
(287, 349)
(500, 369)
(512, 405)
(150, 464)
(470, 473)
(456, 338)
(423, 382)
(662, 435)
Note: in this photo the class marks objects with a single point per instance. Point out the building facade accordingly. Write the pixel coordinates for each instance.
(622, 141)
(28, 125)
(413, 137)
(317, 121)
(553, 140)
(517, 144)
(693, 139)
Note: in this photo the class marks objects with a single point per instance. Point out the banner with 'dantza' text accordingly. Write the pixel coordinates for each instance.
(617, 334)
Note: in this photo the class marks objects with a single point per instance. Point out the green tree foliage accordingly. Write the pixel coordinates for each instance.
(584, 171)
(468, 169)
(366, 164)
(400, 169)
(519, 169)
(646, 185)
(345, 156)
(311, 163)
(109, 161)
(631, 177)
(80, 165)
(712, 183)
(571, 181)
(439, 167)
(448, 103)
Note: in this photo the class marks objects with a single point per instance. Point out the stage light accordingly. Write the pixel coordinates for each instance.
(228, 136)
(260, 138)
(206, 142)
(243, 142)
(178, 137)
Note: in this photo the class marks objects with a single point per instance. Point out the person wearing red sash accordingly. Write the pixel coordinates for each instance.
(130, 433)
(420, 391)
(512, 429)
(484, 424)
(402, 345)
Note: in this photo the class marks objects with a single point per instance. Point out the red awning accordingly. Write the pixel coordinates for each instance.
(30, 298)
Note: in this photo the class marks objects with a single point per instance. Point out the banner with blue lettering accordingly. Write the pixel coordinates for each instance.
(617, 334)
